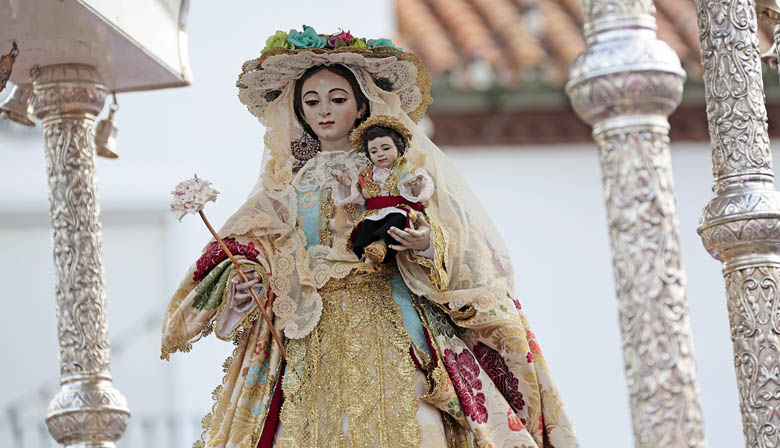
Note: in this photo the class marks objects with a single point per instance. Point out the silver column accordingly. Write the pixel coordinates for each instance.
(740, 226)
(625, 84)
(88, 411)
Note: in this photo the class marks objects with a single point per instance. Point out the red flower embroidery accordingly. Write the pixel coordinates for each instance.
(517, 304)
(464, 371)
(514, 421)
(499, 372)
(214, 254)
(528, 357)
(532, 342)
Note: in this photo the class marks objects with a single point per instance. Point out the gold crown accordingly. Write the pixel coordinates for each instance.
(357, 137)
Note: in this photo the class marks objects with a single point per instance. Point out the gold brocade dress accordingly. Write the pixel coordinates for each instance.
(380, 368)
(355, 383)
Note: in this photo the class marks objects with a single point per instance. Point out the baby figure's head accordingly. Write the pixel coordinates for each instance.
(383, 138)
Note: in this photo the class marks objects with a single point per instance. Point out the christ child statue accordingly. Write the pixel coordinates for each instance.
(393, 195)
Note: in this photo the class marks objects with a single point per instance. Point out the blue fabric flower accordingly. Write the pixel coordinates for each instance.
(380, 43)
(306, 39)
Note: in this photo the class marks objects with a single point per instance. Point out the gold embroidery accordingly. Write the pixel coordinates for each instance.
(327, 209)
(358, 377)
(372, 189)
(437, 273)
(441, 393)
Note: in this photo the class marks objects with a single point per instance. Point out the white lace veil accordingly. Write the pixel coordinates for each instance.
(476, 260)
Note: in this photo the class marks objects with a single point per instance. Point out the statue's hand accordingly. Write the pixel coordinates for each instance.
(418, 239)
(242, 295)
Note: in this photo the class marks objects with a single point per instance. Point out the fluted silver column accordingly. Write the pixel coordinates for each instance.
(88, 411)
(740, 226)
(625, 84)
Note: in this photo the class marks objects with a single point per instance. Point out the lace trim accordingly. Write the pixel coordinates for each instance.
(410, 79)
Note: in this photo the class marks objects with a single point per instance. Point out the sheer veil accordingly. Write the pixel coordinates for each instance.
(474, 272)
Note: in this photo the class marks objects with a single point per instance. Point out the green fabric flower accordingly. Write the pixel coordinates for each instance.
(307, 39)
(279, 39)
(359, 43)
(380, 43)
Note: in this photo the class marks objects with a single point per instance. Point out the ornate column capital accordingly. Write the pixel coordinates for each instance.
(625, 73)
(68, 88)
(88, 410)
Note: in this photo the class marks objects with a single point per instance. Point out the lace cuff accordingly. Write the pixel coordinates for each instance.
(428, 253)
(426, 191)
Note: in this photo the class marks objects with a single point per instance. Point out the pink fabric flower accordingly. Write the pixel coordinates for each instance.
(214, 254)
(464, 371)
(344, 36)
(499, 372)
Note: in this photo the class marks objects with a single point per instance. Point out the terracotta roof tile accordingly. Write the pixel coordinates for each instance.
(417, 24)
(521, 40)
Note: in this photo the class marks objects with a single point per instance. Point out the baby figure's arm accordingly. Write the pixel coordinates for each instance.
(346, 190)
(416, 186)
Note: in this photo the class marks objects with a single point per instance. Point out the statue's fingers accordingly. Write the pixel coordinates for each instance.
(247, 285)
(397, 248)
(402, 238)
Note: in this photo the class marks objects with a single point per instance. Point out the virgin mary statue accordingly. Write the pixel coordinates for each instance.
(431, 348)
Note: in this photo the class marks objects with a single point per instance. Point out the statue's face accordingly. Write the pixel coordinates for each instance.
(329, 106)
(382, 152)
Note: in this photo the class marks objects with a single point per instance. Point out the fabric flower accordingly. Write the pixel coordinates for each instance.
(380, 43)
(278, 40)
(532, 343)
(191, 195)
(498, 371)
(464, 371)
(359, 43)
(341, 39)
(514, 422)
(213, 255)
(306, 39)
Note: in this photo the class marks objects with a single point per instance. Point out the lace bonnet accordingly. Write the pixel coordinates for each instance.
(288, 55)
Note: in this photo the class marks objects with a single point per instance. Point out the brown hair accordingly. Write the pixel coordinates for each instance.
(381, 131)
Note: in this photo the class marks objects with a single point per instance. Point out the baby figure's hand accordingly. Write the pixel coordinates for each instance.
(342, 178)
(415, 184)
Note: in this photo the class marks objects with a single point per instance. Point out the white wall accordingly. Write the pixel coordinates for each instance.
(547, 203)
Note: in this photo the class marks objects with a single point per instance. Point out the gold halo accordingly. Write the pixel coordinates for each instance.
(385, 121)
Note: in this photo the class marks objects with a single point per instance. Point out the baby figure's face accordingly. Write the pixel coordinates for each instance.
(382, 152)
